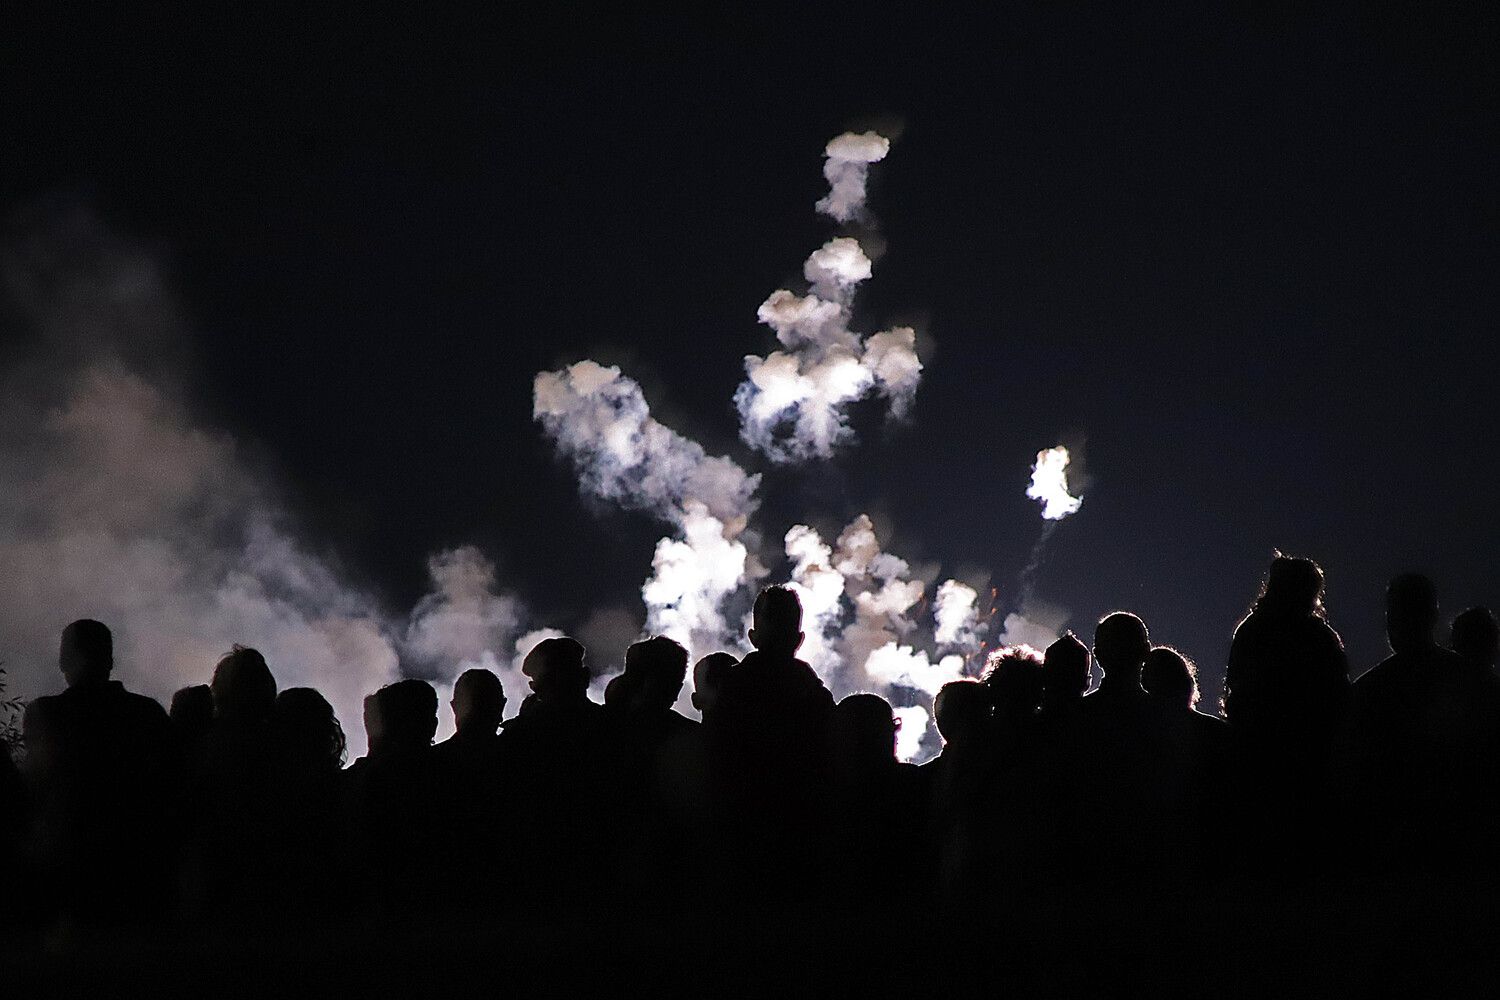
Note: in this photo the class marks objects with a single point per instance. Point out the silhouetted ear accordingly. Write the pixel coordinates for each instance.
(694, 700)
(753, 641)
(800, 637)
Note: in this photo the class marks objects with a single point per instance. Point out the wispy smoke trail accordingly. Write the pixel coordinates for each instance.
(794, 402)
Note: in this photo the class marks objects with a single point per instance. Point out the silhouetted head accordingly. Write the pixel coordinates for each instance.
(709, 675)
(962, 711)
(777, 627)
(1476, 637)
(1013, 677)
(1120, 645)
(1411, 612)
(863, 730)
(1293, 587)
(310, 733)
(408, 715)
(1170, 676)
(1065, 670)
(661, 664)
(192, 710)
(243, 688)
(478, 702)
(556, 671)
(87, 653)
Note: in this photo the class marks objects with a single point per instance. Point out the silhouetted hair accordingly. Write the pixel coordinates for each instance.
(777, 625)
(709, 675)
(1121, 642)
(865, 727)
(1170, 676)
(88, 650)
(1293, 586)
(408, 713)
(1013, 677)
(1065, 668)
(555, 666)
(961, 707)
(660, 665)
(478, 699)
(192, 708)
(243, 688)
(308, 728)
(1476, 636)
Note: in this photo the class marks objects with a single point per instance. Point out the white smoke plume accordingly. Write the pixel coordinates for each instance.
(464, 623)
(820, 588)
(1049, 484)
(955, 609)
(601, 420)
(794, 402)
(914, 721)
(847, 167)
(1036, 624)
(692, 576)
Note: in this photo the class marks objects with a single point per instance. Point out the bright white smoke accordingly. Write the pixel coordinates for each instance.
(956, 611)
(794, 401)
(601, 420)
(1049, 484)
(847, 166)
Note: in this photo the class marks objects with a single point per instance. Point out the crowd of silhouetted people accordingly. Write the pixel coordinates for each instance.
(235, 807)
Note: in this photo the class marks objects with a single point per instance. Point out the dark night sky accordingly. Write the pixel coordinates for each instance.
(1250, 261)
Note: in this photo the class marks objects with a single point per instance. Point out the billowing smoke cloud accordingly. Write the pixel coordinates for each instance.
(1049, 484)
(692, 577)
(794, 402)
(601, 420)
(116, 504)
(955, 608)
(847, 167)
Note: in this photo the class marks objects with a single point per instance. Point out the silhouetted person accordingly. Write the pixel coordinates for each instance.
(1013, 678)
(1476, 637)
(192, 719)
(710, 674)
(563, 773)
(655, 670)
(1286, 696)
(768, 734)
(471, 762)
(957, 779)
(1287, 682)
(99, 760)
(1128, 764)
(1425, 740)
(877, 807)
(773, 700)
(1065, 674)
(395, 798)
(685, 774)
(308, 838)
(235, 794)
(1170, 676)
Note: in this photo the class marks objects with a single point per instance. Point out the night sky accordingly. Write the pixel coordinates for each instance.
(1245, 267)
